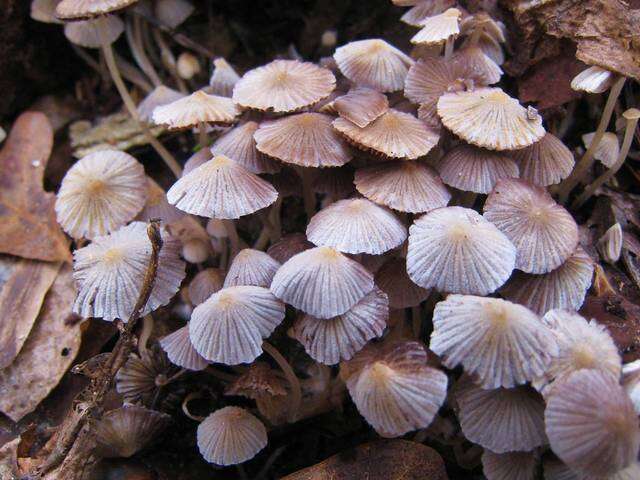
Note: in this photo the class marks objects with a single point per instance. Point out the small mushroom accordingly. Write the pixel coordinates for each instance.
(239, 145)
(546, 162)
(139, 379)
(173, 13)
(610, 244)
(86, 33)
(223, 78)
(157, 206)
(288, 246)
(197, 109)
(204, 284)
(392, 278)
(444, 27)
(181, 352)
(361, 105)
(251, 267)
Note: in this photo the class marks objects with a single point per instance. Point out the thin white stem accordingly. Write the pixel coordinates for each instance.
(203, 138)
(294, 382)
(448, 47)
(234, 238)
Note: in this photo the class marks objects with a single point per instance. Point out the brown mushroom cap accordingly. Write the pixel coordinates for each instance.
(172, 13)
(288, 246)
(607, 151)
(223, 78)
(204, 284)
(136, 379)
(392, 278)
(476, 60)
(509, 466)
(157, 205)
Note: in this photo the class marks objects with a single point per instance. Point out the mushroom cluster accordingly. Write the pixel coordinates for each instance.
(387, 213)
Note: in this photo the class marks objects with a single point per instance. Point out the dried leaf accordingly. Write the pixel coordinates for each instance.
(9, 459)
(381, 460)
(20, 300)
(28, 226)
(548, 83)
(46, 355)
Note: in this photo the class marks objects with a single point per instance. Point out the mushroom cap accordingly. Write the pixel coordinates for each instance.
(197, 108)
(305, 139)
(239, 145)
(223, 78)
(180, 351)
(128, 429)
(593, 80)
(259, 381)
(356, 225)
(373, 63)
(229, 326)
(161, 95)
(610, 244)
(489, 118)
(422, 9)
(438, 28)
(581, 344)
(591, 423)
(136, 379)
(607, 151)
(393, 387)
(405, 186)
(322, 282)
(204, 284)
(109, 273)
(100, 193)
(392, 278)
(484, 22)
(456, 250)
(172, 13)
(546, 162)
(200, 157)
(474, 169)
(82, 9)
(44, 11)
(288, 246)
(230, 436)
(509, 466)
(221, 188)
(564, 287)
(283, 86)
(476, 60)
(157, 206)
(501, 420)
(361, 105)
(544, 233)
(251, 267)
(499, 343)
(86, 33)
(394, 134)
(332, 340)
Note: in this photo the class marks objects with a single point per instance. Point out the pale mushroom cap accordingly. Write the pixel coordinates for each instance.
(474, 169)
(200, 157)
(611, 243)
(86, 34)
(322, 282)
(483, 21)
(221, 188)
(79, 9)
(251, 267)
(454, 249)
(288, 246)
(394, 134)
(361, 105)
(173, 12)
(591, 424)
(501, 420)
(544, 233)
(393, 388)
(546, 162)
(607, 151)
(100, 193)
(593, 80)
(126, 430)
(109, 273)
(581, 344)
(392, 278)
(157, 206)
(509, 466)
(204, 284)
(230, 325)
(239, 145)
(564, 287)
(499, 343)
(199, 107)
(304, 139)
(438, 28)
(476, 60)
(196, 250)
(423, 9)
(44, 11)
(223, 78)
(490, 118)
(230, 436)
(373, 63)
(180, 351)
(159, 96)
(283, 86)
(332, 340)
(356, 225)
(405, 186)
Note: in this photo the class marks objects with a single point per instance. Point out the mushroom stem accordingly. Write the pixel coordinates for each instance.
(630, 127)
(134, 40)
(448, 47)
(185, 406)
(586, 161)
(224, 254)
(262, 240)
(145, 333)
(234, 238)
(130, 105)
(203, 138)
(308, 196)
(168, 60)
(416, 321)
(294, 382)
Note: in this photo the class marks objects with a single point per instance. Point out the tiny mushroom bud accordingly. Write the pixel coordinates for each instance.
(196, 251)
(187, 65)
(223, 78)
(610, 244)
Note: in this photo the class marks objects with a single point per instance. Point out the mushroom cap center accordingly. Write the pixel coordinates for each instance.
(113, 255)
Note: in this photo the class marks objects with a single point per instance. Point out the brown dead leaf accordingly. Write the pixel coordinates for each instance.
(28, 226)
(9, 459)
(381, 460)
(46, 355)
(548, 83)
(20, 300)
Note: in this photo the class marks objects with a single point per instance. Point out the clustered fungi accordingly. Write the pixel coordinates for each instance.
(400, 230)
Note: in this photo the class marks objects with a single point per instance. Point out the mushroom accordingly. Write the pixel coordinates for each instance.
(288, 246)
(181, 352)
(109, 273)
(546, 162)
(140, 378)
(223, 78)
(86, 33)
(608, 150)
(441, 28)
(610, 244)
(392, 279)
(230, 436)
(196, 250)
(44, 11)
(361, 105)
(157, 206)
(509, 466)
(251, 267)
(499, 343)
(393, 387)
(593, 80)
(202, 156)
(422, 9)
(454, 249)
(204, 284)
(187, 66)
(100, 193)
(476, 60)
